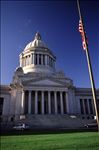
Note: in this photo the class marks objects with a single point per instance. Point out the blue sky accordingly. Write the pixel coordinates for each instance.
(57, 21)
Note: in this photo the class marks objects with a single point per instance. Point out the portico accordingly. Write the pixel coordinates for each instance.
(44, 102)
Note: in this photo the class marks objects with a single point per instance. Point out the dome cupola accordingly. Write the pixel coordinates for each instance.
(38, 36)
(37, 42)
(37, 57)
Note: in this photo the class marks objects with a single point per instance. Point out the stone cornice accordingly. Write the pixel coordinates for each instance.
(40, 50)
(85, 91)
(36, 88)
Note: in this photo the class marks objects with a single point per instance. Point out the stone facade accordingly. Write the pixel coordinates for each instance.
(37, 88)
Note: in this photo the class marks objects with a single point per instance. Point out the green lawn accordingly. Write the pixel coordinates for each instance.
(66, 141)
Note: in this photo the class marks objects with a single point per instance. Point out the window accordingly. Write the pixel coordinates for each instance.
(36, 59)
(52, 62)
(81, 106)
(88, 117)
(90, 106)
(1, 105)
(26, 60)
(83, 117)
(43, 59)
(39, 59)
(86, 106)
(49, 61)
(26, 102)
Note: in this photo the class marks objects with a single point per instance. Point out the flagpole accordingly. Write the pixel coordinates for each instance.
(96, 105)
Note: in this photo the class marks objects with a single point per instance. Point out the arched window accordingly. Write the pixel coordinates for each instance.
(39, 59)
(26, 60)
(1, 105)
(36, 59)
(43, 59)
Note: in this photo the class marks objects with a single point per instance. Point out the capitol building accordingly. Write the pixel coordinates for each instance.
(41, 95)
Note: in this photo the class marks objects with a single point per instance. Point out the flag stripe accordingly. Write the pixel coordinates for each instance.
(82, 32)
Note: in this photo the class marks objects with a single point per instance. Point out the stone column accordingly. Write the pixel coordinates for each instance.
(29, 60)
(42, 101)
(41, 59)
(20, 62)
(33, 59)
(22, 102)
(25, 61)
(55, 98)
(49, 102)
(46, 60)
(61, 102)
(29, 103)
(36, 102)
(54, 64)
(49, 61)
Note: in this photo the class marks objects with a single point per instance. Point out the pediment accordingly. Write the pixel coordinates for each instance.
(44, 82)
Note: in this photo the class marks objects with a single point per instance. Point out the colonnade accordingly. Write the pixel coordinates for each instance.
(86, 106)
(37, 59)
(44, 102)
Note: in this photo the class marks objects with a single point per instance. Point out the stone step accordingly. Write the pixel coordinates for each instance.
(66, 121)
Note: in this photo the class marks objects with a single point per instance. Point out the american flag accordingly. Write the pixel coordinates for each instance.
(83, 34)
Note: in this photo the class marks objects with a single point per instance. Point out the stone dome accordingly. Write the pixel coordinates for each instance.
(37, 42)
(37, 57)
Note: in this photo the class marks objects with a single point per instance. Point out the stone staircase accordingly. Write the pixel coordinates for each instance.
(54, 121)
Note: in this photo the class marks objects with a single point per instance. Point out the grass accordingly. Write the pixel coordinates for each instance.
(66, 141)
